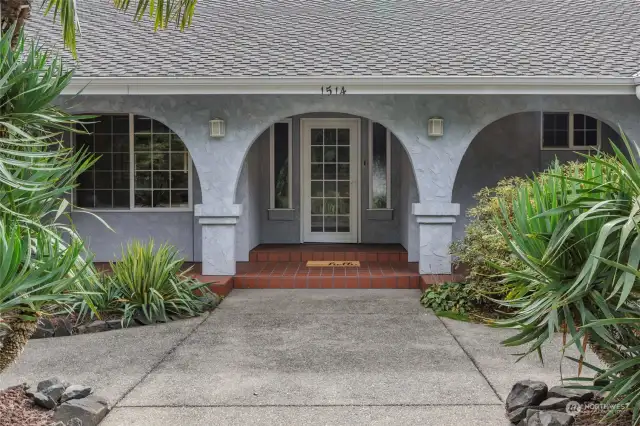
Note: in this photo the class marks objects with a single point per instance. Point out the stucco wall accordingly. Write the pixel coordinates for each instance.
(435, 160)
(507, 147)
(250, 186)
(408, 194)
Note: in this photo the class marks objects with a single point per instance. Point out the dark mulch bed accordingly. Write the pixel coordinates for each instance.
(17, 409)
(593, 418)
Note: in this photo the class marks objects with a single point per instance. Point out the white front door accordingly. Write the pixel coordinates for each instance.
(330, 179)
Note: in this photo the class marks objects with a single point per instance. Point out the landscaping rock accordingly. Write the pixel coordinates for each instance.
(531, 412)
(44, 401)
(554, 404)
(45, 329)
(579, 395)
(96, 326)
(62, 327)
(89, 411)
(48, 383)
(75, 392)
(114, 324)
(550, 418)
(526, 393)
(517, 415)
(55, 391)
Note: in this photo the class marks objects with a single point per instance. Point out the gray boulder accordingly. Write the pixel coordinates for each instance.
(62, 327)
(579, 395)
(44, 329)
(530, 413)
(517, 415)
(55, 391)
(526, 393)
(554, 404)
(114, 324)
(44, 401)
(75, 392)
(89, 411)
(550, 418)
(48, 383)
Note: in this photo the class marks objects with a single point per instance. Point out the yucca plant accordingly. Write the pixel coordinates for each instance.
(35, 270)
(49, 266)
(577, 237)
(152, 284)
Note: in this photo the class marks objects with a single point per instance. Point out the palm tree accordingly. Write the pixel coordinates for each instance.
(14, 14)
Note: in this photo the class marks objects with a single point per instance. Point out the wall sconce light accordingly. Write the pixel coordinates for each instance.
(436, 127)
(217, 128)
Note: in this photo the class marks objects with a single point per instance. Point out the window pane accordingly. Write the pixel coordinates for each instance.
(316, 154)
(85, 180)
(316, 206)
(180, 198)
(84, 199)
(179, 161)
(143, 180)
(121, 181)
(104, 199)
(591, 123)
(159, 127)
(103, 124)
(121, 199)
(143, 161)
(281, 165)
(179, 180)
(143, 198)
(343, 136)
(591, 138)
(142, 143)
(378, 167)
(316, 171)
(160, 143)
(562, 138)
(330, 136)
(330, 171)
(176, 143)
(84, 142)
(316, 223)
(103, 180)
(161, 161)
(578, 138)
(578, 121)
(121, 124)
(141, 124)
(102, 143)
(121, 162)
(161, 180)
(120, 143)
(161, 198)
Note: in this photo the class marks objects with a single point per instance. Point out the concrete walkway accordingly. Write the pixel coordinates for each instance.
(280, 357)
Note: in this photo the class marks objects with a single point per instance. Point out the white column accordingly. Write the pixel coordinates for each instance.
(435, 220)
(218, 237)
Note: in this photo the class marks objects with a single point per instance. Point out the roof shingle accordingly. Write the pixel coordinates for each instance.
(231, 38)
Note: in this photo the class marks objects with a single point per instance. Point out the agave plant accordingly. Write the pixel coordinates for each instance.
(152, 284)
(577, 237)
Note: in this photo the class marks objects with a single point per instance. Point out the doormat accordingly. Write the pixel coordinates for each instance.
(332, 263)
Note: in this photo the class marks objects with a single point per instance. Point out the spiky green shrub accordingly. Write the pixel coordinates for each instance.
(578, 241)
(151, 283)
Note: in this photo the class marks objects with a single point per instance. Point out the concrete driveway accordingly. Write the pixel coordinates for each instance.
(313, 357)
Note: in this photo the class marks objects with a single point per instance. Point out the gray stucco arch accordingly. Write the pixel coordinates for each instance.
(291, 112)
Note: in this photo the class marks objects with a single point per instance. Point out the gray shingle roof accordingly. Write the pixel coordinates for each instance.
(231, 38)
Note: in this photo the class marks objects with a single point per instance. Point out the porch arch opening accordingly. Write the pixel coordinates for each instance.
(521, 144)
(354, 178)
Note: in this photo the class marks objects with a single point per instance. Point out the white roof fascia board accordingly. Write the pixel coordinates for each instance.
(354, 85)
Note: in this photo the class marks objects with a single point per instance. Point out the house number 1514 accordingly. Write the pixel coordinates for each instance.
(333, 90)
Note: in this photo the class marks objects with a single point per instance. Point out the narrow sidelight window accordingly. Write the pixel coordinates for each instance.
(379, 167)
(280, 147)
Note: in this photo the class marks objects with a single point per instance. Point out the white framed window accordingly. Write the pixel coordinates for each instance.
(567, 130)
(142, 166)
(280, 165)
(379, 166)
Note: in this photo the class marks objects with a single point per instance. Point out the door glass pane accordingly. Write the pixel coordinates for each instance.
(330, 180)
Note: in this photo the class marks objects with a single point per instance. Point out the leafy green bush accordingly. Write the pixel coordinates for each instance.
(449, 298)
(578, 241)
(151, 283)
(483, 247)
